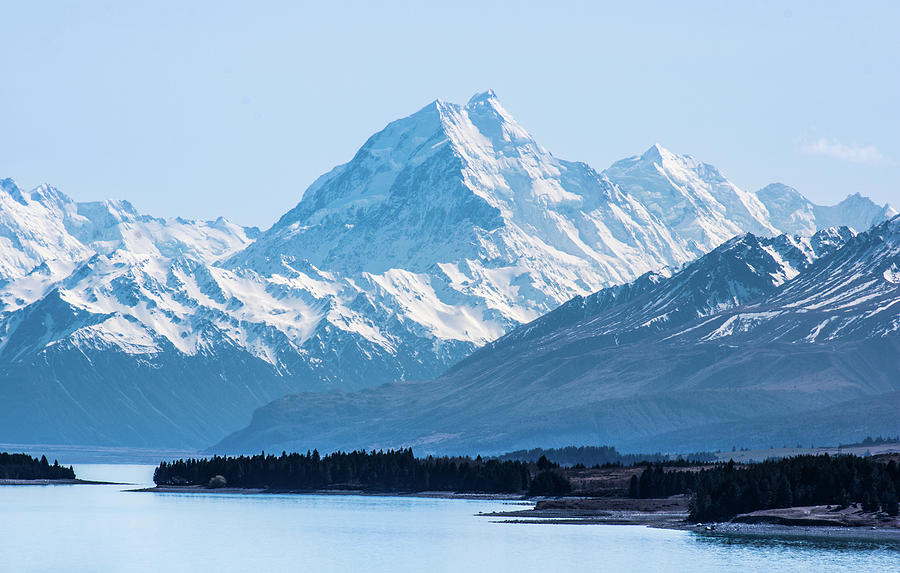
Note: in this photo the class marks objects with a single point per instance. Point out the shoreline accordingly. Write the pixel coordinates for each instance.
(199, 489)
(795, 522)
(818, 532)
(663, 513)
(43, 481)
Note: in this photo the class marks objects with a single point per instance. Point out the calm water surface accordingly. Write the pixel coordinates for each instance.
(101, 528)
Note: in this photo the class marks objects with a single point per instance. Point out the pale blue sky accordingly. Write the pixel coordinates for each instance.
(234, 108)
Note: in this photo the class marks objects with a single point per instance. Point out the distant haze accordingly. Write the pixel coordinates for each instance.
(234, 109)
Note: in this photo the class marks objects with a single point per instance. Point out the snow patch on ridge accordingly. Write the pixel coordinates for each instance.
(892, 274)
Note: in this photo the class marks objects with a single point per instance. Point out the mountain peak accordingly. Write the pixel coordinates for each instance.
(858, 198)
(657, 153)
(48, 195)
(863, 201)
(779, 194)
(10, 187)
(693, 198)
(8, 184)
(778, 186)
(482, 97)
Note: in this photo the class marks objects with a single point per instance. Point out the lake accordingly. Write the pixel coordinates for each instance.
(100, 528)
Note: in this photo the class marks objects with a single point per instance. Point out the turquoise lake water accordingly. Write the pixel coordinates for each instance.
(88, 528)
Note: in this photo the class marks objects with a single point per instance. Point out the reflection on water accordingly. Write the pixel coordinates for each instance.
(101, 528)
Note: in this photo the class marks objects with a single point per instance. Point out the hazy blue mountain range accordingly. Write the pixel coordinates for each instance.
(446, 230)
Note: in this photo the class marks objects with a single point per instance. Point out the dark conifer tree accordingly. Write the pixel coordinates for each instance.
(634, 487)
(784, 496)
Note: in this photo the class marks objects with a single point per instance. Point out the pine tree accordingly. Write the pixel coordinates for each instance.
(784, 497)
(890, 504)
(634, 487)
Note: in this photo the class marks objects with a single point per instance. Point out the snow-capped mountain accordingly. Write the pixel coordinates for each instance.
(691, 197)
(854, 293)
(755, 333)
(446, 230)
(793, 213)
(45, 236)
(739, 271)
(476, 214)
(473, 228)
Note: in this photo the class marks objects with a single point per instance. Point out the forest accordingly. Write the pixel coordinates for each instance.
(23, 466)
(799, 481)
(375, 471)
(726, 490)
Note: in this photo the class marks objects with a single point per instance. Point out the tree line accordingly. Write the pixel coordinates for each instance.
(23, 466)
(655, 481)
(376, 471)
(870, 441)
(726, 490)
(597, 456)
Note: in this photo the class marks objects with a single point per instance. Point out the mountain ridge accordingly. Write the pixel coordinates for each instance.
(447, 229)
(765, 357)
